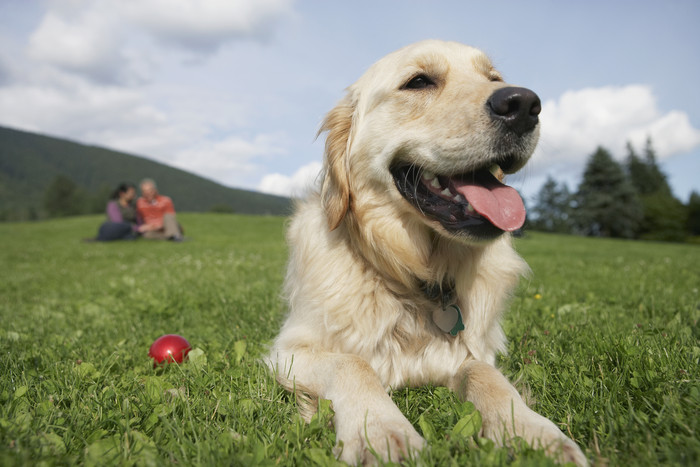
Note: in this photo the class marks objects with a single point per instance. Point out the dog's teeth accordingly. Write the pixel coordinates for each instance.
(428, 175)
(435, 183)
(495, 169)
(446, 192)
(470, 208)
(460, 199)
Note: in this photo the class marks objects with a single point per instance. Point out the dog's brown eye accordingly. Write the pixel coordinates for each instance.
(419, 82)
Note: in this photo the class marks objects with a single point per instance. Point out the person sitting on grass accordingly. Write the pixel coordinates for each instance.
(122, 219)
(158, 214)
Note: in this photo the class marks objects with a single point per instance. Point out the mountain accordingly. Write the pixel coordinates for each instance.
(30, 162)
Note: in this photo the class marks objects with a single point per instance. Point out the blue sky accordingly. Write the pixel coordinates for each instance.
(235, 90)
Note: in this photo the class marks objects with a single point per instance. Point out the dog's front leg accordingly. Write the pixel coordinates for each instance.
(506, 415)
(366, 419)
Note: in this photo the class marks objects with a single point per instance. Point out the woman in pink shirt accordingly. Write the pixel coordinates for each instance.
(122, 218)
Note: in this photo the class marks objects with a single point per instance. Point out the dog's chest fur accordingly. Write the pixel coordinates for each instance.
(343, 304)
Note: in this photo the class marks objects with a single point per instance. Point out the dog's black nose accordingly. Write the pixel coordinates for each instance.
(517, 108)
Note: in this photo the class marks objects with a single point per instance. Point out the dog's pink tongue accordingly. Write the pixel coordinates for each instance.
(498, 203)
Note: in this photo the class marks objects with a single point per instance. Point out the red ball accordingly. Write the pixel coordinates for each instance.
(169, 348)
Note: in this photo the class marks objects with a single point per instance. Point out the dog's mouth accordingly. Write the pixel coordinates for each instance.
(472, 203)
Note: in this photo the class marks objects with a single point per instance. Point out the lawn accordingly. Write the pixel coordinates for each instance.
(603, 337)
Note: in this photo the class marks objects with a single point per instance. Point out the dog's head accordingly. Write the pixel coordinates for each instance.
(432, 128)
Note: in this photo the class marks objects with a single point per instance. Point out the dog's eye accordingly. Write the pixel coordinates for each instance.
(419, 82)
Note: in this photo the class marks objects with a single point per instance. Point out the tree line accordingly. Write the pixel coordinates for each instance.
(632, 199)
(63, 197)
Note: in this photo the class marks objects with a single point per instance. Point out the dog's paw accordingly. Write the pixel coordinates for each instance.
(558, 446)
(563, 450)
(378, 441)
(540, 433)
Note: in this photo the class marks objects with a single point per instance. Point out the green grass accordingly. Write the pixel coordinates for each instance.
(604, 336)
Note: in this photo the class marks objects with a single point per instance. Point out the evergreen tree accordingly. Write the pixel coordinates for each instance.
(663, 214)
(63, 198)
(638, 171)
(693, 221)
(659, 182)
(607, 202)
(552, 210)
(664, 218)
(645, 173)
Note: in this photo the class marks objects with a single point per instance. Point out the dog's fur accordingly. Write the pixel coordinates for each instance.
(359, 319)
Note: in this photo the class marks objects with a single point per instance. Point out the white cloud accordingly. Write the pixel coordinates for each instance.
(105, 41)
(579, 121)
(234, 160)
(671, 134)
(76, 108)
(7, 71)
(205, 25)
(296, 185)
(86, 41)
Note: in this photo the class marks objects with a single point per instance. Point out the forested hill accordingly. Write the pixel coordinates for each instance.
(31, 163)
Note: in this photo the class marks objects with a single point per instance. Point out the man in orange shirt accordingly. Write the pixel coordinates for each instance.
(158, 214)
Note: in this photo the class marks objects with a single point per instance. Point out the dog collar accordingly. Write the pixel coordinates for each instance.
(444, 292)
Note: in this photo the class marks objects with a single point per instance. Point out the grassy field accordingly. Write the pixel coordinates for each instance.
(604, 337)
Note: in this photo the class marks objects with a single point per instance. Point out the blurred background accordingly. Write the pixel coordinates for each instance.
(234, 92)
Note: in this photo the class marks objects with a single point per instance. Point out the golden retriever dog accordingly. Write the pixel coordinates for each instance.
(401, 267)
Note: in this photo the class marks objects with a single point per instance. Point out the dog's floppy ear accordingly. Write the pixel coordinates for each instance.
(335, 189)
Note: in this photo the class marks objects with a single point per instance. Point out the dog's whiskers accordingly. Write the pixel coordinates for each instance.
(418, 170)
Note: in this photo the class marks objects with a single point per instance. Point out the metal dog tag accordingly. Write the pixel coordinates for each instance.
(449, 319)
